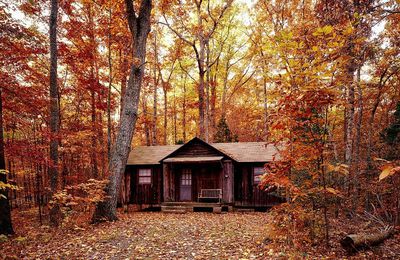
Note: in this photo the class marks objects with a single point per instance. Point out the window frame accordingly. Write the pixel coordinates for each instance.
(147, 175)
(186, 177)
(257, 176)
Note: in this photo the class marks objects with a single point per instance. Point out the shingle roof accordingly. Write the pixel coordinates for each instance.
(141, 155)
(248, 151)
(241, 152)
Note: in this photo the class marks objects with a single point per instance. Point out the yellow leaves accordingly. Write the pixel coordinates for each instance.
(20, 239)
(388, 170)
(87, 193)
(326, 30)
(385, 172)
(349, 30)
(339, 168)
(380, 160)
(333, 191)
(4, 186)
(327, 191)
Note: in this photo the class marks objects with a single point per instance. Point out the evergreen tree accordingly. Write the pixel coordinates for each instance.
(224, 134)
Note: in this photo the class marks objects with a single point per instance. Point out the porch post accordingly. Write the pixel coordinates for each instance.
(166, 178)
(227, 182)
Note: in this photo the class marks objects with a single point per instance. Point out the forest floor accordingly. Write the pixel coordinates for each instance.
(155, 235)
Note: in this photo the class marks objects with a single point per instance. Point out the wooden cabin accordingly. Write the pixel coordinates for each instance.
(199, 174)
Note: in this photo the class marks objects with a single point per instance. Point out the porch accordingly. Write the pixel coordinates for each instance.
(198, 182)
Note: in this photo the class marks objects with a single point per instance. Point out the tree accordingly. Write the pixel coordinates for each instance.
(198, 36)
(54, 111)
(139, 25)
(224, 134)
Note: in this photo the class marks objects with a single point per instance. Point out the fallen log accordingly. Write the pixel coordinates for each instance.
(355, 242)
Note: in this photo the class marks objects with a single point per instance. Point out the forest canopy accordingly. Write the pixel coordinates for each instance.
(321, 77)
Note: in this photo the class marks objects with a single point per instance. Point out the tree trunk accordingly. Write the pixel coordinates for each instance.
(200, 63)
(124, 72)
(93, 96)
(140, 28)
(165, 114)
(109, 87)
(5, 211)
(213, 103)
(54, 112)
(354, 242)
(207, 103)
(184, 111)
(266, 116)
(358, 139)
(94, 137)
(174, 114)
(156, 80)
(350, 121)
(146, 123)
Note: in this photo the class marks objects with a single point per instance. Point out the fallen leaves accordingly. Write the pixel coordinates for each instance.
(150, 235)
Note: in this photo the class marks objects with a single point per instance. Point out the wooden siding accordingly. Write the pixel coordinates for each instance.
(247, 193)
(228, 181)
(196, 149)
(145, 193)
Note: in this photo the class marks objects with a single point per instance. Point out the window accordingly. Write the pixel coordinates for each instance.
(144, 176)
(257, 173)
(186, 178)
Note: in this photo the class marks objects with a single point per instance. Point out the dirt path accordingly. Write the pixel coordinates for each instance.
(154, 235)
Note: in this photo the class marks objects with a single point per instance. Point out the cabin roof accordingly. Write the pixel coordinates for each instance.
(147, 155)
(249, 151)
(193, 159)
(240, 152)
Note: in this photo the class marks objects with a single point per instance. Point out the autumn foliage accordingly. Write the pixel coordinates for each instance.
(319, 79)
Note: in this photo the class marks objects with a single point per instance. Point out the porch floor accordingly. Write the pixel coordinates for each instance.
(183, 207)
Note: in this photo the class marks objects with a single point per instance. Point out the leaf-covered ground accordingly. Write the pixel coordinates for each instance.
(150, 235)
(155, 235)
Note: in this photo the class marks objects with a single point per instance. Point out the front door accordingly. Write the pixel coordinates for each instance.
(186, 185)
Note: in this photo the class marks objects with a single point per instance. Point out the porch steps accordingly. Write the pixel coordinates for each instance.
(244, 210)
(192, 204)
(174, 209)
(183, 207)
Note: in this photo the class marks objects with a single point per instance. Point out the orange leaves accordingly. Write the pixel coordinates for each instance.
(30, 7)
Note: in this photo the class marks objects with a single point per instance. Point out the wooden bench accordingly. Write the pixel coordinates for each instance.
(210, 194)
